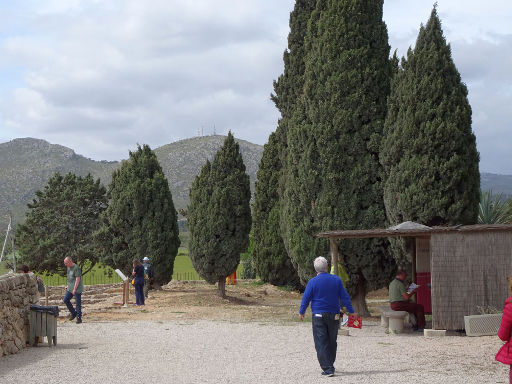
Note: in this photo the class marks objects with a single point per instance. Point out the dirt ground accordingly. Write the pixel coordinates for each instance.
(197, 300)
(191, 300)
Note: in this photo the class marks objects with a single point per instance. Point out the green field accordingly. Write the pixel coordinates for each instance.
(183, 270)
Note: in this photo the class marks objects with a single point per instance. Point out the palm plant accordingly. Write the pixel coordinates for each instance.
(492, 209)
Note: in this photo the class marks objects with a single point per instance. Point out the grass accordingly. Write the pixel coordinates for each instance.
(183, 270)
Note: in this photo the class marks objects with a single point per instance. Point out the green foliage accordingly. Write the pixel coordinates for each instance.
(141, 219)
(219, 216)
(60, 222)
(333, 177)
(429, 150)
(246, 261)
(269, 255)
(288, 91)
(493, 209)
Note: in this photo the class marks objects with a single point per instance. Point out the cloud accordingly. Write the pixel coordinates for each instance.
(125, 72)
(100, 76)
(485, 67)
(480, 36)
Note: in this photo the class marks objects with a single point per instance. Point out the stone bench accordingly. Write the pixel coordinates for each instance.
(392, 320)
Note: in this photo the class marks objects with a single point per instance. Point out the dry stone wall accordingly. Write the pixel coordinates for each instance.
(17, 292)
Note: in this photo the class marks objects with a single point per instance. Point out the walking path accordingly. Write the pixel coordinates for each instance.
(190, 351)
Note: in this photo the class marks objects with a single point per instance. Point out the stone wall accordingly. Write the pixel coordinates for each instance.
(17, 292)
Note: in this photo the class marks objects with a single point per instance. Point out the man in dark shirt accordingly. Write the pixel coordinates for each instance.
(325, 292)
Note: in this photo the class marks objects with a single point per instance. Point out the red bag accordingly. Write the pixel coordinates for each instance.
(355, 321)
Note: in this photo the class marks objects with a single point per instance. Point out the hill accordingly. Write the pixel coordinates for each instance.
(27, 164)
(182, 160)
(497, 183)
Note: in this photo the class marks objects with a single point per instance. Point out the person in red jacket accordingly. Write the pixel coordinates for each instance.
(504, 355)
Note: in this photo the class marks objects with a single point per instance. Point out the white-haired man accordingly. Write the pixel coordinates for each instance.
(325, 292)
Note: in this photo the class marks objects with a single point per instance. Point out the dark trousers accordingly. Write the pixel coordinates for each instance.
(416, 309)
(78, 302)
(139, 293)
(325, 333)
(148, 284)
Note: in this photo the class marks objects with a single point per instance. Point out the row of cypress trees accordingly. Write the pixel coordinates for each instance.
(363, 142)
(136, 217)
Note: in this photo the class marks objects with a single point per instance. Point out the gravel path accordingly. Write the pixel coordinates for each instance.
(224, 352)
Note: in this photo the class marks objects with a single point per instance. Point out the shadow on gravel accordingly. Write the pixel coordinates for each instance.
(30, 355)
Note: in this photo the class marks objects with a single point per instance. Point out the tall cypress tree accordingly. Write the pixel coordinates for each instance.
(333, 174)
(219, 215)
(141, 219)
(429, 150)
(269, 255)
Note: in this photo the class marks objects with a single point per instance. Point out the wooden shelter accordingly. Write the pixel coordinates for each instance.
(461, 269)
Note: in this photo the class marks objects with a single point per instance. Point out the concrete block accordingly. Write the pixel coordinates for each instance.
(384, 321)
(434, 332)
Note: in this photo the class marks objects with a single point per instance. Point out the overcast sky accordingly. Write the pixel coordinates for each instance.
(100, 76)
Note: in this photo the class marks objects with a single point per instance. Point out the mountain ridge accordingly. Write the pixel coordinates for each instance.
(26, 164)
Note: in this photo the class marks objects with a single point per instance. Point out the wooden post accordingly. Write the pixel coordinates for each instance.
(413, 259)
(334, 256)
(125, 293)
(46, 295)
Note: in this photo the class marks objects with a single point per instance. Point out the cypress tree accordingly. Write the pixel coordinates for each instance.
(141, 219)
(429, 150)
(60, 222)
(269, 255)
(333, 174)
(219, 215)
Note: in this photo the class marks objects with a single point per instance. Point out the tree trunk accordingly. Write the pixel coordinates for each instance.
(359, 299)
(335, 257)
(221, 287)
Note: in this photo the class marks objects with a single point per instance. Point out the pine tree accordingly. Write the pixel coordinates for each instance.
(333, 174)
(60, 222)
(141, 219)
(429, 150)
(269, 255)
(219, 215)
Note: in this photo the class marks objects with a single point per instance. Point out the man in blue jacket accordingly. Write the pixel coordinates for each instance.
(325, 292)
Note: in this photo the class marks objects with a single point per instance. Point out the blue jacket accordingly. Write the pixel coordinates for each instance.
(325, 292)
